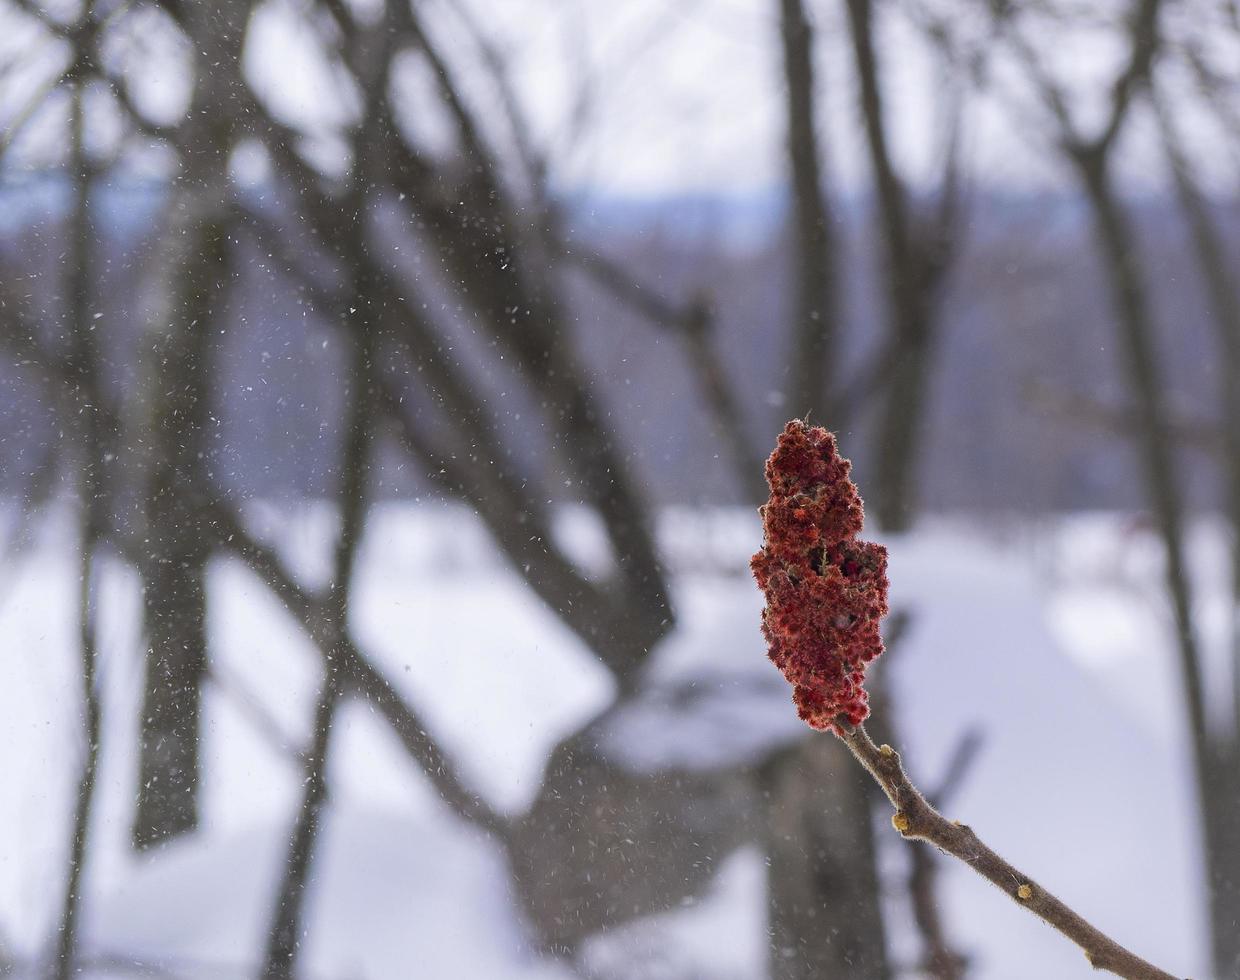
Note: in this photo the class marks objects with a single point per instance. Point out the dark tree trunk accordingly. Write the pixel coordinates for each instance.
(288, 919)
(604, 844)
(85, 402)
(813, 324)
(1214, 763)
(825, 916)
(901, 424)
(1221, 815)
(1222, 797)
(192, 279)
(913, 270)
(174, 609)
(174, 570)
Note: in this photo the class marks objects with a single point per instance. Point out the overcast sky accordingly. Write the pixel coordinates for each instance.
(634, 98)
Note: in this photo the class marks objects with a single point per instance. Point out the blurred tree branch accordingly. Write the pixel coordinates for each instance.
(1091, 159)
(693, 323)
(287, 926)
(917, 259)
(1217, 275)
(82, 371)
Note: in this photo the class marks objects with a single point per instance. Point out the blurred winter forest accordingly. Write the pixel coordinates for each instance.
(384, 389)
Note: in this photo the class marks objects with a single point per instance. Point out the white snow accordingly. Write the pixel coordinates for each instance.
(1082, 778)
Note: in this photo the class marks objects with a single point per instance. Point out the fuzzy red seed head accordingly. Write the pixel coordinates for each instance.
(826, 591)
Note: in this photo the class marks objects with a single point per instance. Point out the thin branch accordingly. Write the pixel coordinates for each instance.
(1077, 408)
(941, 961)
(124, 98)
(693, 324)
(958, 766)
(1145, 41)
(31, 108)
(916, 819)
(1145, 37)
(1049, 92)
(283, 940)
(532, 157)
(82, 367)
(363, 678)
(892, 196)
(621, 284)
(251, 706)
(868, 381)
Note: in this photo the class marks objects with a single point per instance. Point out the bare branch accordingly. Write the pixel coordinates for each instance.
(958, 766)
(532, 157)
(30, 108)
(916, 819)
(1145, 37)
(252, 707)
(284, 936)
(362, 677)
(692, 323)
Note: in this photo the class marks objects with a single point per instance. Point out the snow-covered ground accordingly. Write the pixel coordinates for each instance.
(1049, 639)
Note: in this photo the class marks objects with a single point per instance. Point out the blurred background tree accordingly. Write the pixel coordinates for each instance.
(343, 250)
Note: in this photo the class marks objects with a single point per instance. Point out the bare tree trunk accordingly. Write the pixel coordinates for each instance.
(1222, 791)
(174, 572)
(1212, 261)
(287, 926)
(825, 915)
(825, 919)
(1117, 243)
(85, 401)
(900, 427)
(192, 281)
(912, 279)
(1217, 781)
(813, 323)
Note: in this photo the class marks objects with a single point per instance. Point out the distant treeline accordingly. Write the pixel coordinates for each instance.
(1028, 412)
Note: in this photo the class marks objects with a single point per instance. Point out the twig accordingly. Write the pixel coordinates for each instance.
(916, 819)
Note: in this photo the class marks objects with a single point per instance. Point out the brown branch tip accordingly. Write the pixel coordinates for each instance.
(826, 594)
